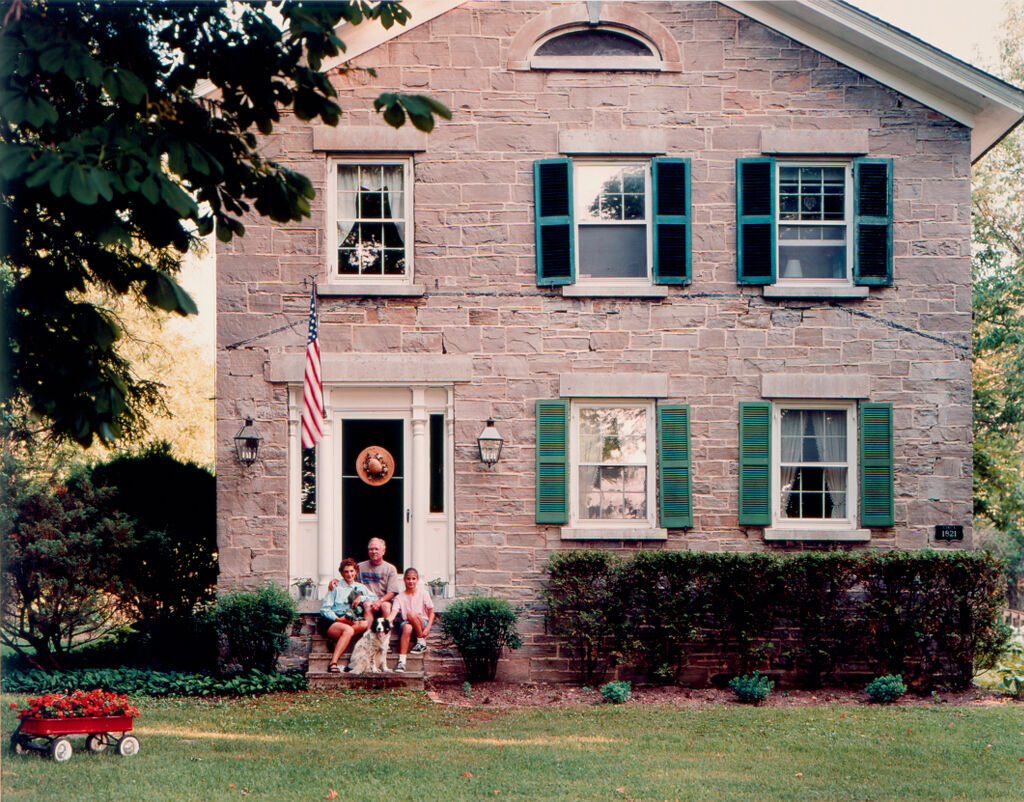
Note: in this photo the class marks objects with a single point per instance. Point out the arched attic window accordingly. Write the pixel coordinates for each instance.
(595, 47)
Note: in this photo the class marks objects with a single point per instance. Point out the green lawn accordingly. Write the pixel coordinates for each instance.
(401, 747)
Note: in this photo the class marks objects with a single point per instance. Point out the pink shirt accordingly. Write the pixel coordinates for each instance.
(416, 604)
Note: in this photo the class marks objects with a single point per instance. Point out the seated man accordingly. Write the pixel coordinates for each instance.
(346, 611)
(380, 576)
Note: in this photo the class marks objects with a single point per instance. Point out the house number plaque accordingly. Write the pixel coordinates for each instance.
(949, 532)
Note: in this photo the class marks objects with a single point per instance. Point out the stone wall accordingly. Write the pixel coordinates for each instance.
(474, 253)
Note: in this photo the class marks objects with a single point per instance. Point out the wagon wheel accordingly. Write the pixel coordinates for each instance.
(17, 745)
(127, 746)
(96, 742)
(60, 750)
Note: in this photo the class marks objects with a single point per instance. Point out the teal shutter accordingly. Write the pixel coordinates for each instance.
(675, 477)
(876, 465)
(671, 203)
(552, 462)
(552, 196)
(755, 463)
(872, 221)
(755, 221)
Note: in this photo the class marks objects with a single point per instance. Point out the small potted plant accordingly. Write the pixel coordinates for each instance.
(306, 586)
(437, 587)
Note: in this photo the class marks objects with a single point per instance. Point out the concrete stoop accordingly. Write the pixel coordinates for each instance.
(320, 658)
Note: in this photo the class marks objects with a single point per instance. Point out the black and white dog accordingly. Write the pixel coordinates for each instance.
(371, 650)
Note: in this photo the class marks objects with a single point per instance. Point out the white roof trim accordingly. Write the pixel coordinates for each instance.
(982, 102)
(369, 34)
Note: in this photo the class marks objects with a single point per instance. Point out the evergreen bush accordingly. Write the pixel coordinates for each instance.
(886, 689)
(616, 692)
(254, 626)
(751, 688)
(480, 627)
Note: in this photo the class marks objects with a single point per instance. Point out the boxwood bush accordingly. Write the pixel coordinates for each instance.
(254, 626)
(480, 627)
(931, 616)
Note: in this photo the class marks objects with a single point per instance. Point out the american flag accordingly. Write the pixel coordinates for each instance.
(312, 387)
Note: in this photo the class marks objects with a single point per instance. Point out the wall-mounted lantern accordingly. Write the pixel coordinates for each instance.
(490, 443)
(247, 443)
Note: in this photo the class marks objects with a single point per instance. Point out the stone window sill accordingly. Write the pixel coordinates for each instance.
(613, 291)
(819, 291)
(613, 533)
(845, 535)
(369, 288)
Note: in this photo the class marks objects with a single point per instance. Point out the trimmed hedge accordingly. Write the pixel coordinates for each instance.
(932, 616)
(150, 683)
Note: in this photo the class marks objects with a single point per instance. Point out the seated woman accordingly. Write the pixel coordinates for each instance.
(344, 612)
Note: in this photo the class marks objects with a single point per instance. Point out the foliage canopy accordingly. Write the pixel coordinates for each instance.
(129, 129)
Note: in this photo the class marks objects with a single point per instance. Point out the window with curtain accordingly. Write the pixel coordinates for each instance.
(372, 220)
(814, 464)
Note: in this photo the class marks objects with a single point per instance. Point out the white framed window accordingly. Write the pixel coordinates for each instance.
(612, 217)
(612, 453)
(814, 219)
(369, 233)
(814, 464)
(590, 47)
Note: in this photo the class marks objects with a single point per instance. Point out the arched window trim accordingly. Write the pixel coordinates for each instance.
(654, 61)
(562, 16)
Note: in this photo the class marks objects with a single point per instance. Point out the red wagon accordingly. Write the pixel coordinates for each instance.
(49, 735)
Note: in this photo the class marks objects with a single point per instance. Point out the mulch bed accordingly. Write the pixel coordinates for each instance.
(511, 695)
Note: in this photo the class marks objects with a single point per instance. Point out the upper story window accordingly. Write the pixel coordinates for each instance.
(592, 48)
(604, 223)
(814, 223)
(372, 216)
(612, 220)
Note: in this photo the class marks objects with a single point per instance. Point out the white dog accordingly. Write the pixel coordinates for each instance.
(371, 650)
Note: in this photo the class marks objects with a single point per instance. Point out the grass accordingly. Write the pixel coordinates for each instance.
(367, 745)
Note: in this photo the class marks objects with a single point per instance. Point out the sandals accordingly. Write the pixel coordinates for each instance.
(333, 669)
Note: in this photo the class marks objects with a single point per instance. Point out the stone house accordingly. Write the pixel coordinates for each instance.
(706, 265)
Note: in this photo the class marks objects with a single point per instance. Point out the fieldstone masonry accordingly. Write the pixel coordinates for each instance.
(713, 340)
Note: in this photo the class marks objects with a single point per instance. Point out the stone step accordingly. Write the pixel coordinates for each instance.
(407, 681)
(319, 662)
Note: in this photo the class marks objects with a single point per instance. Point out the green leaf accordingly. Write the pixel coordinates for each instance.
(132, 89)
(82, 188)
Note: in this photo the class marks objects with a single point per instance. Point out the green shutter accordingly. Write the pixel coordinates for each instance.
(755, 221)
(872, 221)
(552, 196)
(552, 462)
(675, 477)
(876, 465)
(755, 463)
(670, 178)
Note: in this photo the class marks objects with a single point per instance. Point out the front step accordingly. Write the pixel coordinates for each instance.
(320, 658)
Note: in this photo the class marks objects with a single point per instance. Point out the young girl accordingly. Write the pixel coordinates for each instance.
(345, 611)
(417, 611)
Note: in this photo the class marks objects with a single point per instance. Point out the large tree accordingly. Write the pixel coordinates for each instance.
(113, 163)
(998, 267)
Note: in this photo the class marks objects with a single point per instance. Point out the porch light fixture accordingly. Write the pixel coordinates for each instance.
(247, 443)
(490, 443)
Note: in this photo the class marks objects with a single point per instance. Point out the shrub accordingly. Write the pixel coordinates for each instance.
(745, 597)
(173, 566)
(65, 549)
(1011, 670)
(886, 689)
(658, 601)
(817, 601)
(577, 595)
(480, 627)
(751, 688)
(150, 683)
(616, 692)
(255, 625)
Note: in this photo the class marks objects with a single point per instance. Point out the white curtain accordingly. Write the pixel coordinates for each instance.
(792, 451)
(348, 195)
(829, 431)
(394, 184)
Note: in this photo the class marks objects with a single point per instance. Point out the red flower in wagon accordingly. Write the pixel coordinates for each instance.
(78, 704)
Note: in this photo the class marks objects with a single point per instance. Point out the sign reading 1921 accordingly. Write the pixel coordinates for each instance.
(949, 532)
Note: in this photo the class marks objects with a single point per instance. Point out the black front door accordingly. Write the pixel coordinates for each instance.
(366, 510)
